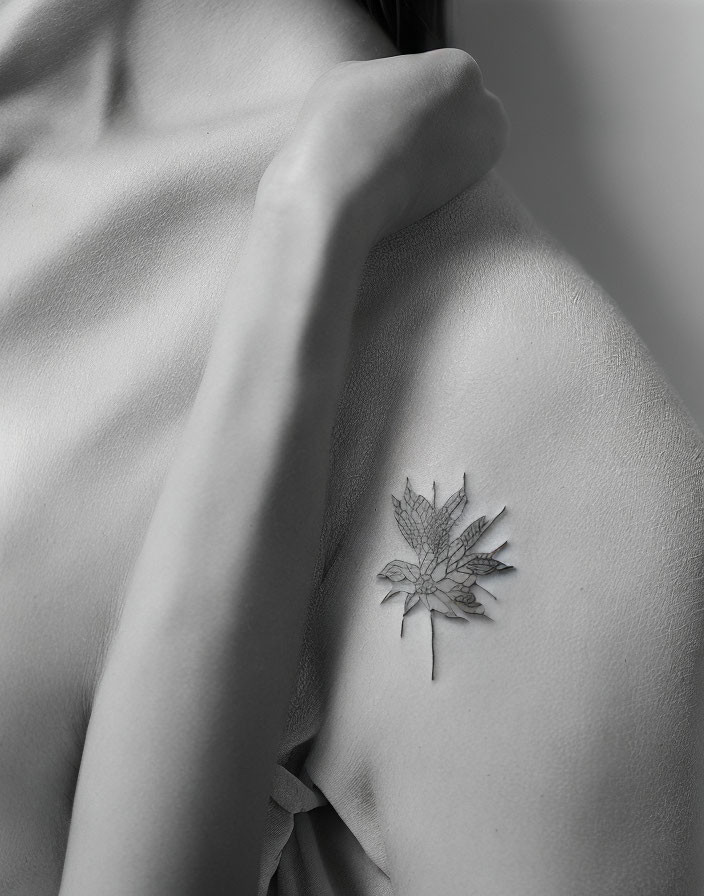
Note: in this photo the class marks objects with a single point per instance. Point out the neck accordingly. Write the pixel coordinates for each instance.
(215, 58)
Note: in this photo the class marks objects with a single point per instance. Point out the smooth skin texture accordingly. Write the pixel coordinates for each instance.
(477, 347)
(189, 711)
(556, 750)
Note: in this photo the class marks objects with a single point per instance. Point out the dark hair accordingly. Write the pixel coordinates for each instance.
(413, 25)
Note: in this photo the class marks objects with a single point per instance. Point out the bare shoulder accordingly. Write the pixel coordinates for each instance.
(554, 751)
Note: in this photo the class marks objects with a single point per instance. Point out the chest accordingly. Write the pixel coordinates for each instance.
(114, 264)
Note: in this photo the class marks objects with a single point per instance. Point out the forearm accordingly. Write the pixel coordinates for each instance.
(175, 773)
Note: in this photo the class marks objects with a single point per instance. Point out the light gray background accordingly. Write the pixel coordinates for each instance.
(606, 100)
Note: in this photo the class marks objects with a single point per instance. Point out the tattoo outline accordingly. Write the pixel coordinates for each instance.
(445, 574)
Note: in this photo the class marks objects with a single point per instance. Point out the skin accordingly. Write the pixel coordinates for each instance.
(326, 198)
(580, 703)
(565, 729)
(189, 711)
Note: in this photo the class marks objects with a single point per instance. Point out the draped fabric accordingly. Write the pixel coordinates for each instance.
(308, 849)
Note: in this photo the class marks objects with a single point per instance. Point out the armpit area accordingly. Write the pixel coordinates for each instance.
(554, 751)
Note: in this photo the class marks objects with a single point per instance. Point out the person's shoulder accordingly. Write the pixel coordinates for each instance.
(562, 728)
(496, 345)
(499, 313)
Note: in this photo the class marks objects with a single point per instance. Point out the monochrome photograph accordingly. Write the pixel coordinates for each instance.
(351, 452)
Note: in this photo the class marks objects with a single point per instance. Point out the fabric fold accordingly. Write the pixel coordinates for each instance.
(289, 796)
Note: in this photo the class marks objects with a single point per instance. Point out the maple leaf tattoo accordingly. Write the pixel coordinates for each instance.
(446, 572)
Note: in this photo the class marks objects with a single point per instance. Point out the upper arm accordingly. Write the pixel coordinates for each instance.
(554, 752)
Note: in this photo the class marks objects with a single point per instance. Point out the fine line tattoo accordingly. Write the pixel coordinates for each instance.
(445, 574)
